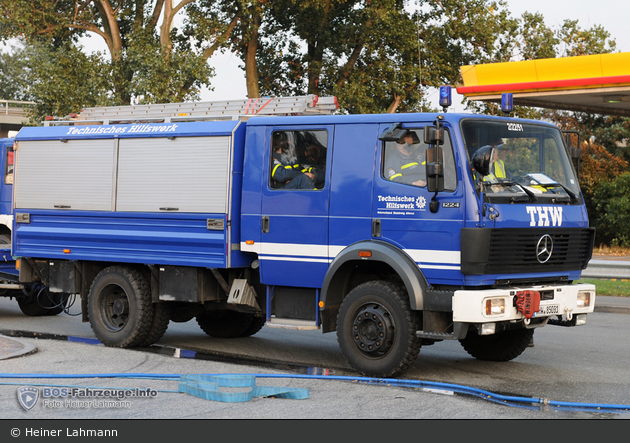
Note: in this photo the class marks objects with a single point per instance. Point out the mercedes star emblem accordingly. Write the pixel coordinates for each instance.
(544, 248)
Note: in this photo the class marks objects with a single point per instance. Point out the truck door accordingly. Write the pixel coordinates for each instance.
(295, 205)
(401, 211)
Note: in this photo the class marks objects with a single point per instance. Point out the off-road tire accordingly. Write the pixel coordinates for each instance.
(42, 303)
(502, 346)
(255, 326)
(225, 323)
(119, 307)
(161, 319)
(376, 330)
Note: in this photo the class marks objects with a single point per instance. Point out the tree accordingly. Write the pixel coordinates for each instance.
(577, 41)
(374, 55)
(148, 60)
(13, 76)
(60, 79)
(65, 79)
(597, 166)
(612, 214)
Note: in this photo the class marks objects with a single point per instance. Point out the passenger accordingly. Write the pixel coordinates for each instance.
(286, 172)
(497, 166)
(406, 163)
(315, 164)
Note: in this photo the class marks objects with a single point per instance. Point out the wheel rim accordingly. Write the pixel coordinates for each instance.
(373, 330)
(114, 308)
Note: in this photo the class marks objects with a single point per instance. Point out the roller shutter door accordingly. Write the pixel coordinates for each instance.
(76, 174)
(184, 174)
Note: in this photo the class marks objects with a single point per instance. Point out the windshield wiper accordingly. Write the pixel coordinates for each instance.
(570, 193)
(532, 196)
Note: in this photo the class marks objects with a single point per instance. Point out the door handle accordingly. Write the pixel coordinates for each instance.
(265, 224)
(376, 227)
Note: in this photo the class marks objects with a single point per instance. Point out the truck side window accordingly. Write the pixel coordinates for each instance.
(8, 172)
(405, 160)
(298, 159)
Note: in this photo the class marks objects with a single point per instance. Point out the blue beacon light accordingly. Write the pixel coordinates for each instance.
(507, 104)
(445, 97)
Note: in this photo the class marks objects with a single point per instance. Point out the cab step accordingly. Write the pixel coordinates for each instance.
(290, 323)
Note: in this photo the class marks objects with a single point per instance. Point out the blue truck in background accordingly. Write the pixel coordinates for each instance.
(32, 297)
(405, 235)
(6, 190)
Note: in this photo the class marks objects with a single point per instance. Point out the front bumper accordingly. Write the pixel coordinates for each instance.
(498, 305)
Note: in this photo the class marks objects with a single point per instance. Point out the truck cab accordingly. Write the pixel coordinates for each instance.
(475, 252)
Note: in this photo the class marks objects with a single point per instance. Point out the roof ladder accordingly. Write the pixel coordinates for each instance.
(207, 110)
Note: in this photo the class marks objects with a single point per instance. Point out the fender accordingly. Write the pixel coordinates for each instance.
(333, 287)
(6, 220)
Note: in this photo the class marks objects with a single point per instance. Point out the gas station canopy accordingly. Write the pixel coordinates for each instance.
(592, 83)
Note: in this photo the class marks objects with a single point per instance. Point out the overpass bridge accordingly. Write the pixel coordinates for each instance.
(13, 115)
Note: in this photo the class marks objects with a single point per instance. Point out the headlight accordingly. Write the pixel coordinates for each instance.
(584, 299)
(494, 306)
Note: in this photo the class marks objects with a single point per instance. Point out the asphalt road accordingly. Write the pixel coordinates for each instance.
(582, 366)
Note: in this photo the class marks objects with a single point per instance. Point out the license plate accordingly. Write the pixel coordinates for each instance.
(549, 310)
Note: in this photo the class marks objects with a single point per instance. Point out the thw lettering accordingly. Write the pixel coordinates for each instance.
(544, 215)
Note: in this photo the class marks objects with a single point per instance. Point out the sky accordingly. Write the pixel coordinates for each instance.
(613, 15)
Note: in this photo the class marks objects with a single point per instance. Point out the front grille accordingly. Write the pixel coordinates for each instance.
(513, 251)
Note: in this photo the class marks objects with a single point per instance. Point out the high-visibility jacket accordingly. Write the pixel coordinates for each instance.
(498, 169)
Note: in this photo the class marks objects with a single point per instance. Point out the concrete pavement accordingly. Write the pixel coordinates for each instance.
(11, 347)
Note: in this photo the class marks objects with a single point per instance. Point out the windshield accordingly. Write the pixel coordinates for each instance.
(525, 161)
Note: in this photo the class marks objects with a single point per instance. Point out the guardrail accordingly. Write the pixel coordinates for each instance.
(19, 108)
(607, 269)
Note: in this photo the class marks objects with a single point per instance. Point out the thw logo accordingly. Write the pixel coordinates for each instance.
(544, 215)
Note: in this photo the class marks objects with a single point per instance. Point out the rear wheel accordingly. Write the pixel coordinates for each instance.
(226, 323)
(502, 346)
(161, 319)
(119, 307)
(256, 325)
(41, 302)
(376, 330)
(5, 239)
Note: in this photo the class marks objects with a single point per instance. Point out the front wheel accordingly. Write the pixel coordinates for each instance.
(376, 330)
(119, 307)
(502, 346)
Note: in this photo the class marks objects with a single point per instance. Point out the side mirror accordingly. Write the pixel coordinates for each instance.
(433, 135)
(574, 152)
(481, 160)
(435, 169)
(393, 133)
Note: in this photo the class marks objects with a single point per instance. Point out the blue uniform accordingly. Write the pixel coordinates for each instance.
(290, 176)
(403, 168)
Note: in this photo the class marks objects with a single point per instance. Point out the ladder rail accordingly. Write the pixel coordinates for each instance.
(300, 105)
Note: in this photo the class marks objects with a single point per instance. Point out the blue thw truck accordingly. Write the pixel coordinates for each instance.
(153, 214)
